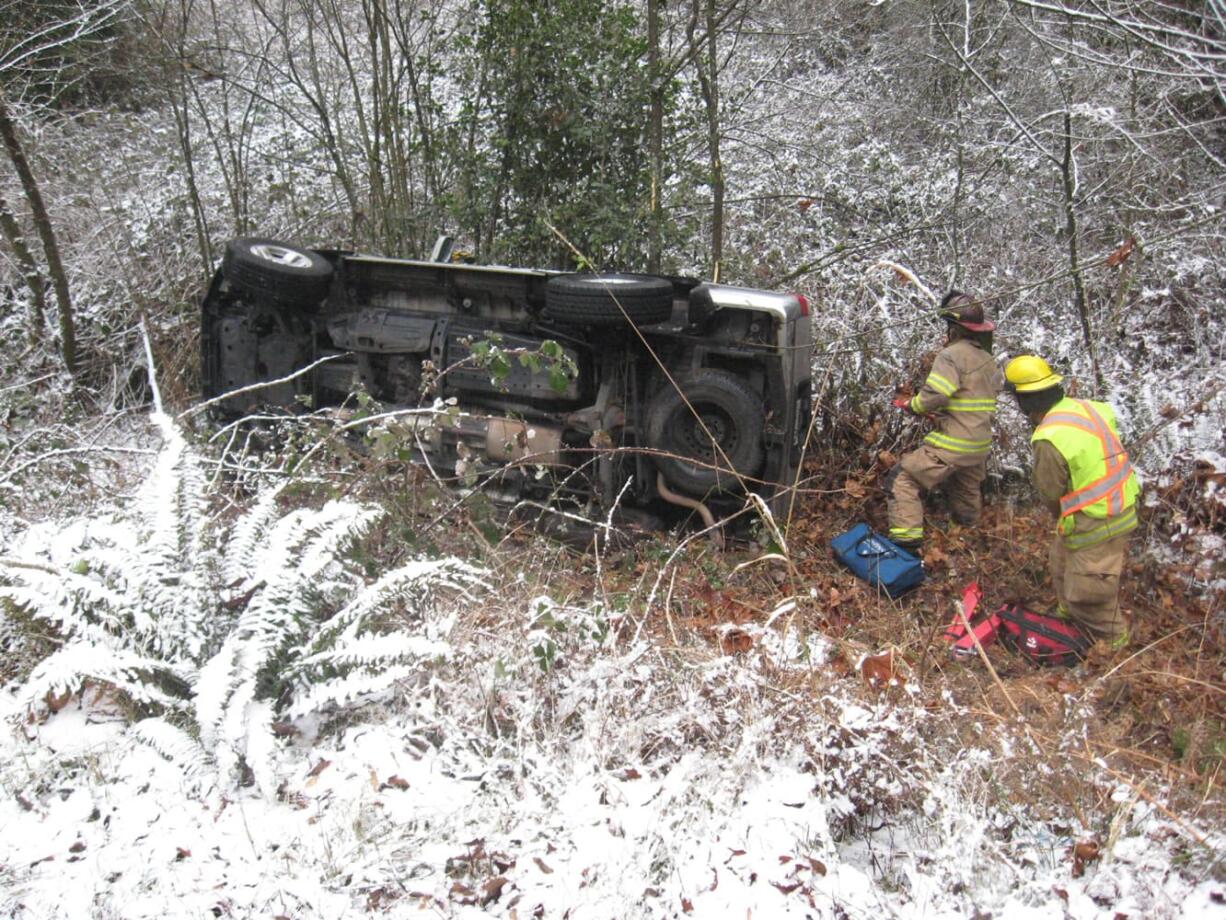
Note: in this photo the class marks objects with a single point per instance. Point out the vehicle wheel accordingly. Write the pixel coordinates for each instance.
(730, 412)
(592, 300)
(276, 271)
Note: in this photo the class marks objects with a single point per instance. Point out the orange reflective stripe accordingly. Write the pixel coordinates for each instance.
(1109, 486)
(1068, 420)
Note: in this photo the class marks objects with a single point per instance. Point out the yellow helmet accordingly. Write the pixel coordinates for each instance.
(1030, 373)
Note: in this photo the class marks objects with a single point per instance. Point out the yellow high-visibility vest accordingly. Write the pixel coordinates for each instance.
(1103, 483)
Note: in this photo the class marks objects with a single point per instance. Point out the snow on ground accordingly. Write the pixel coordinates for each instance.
(621, 782)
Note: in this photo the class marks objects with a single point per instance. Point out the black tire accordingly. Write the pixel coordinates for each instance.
(732, 414)
(592, 300)
(276, 271)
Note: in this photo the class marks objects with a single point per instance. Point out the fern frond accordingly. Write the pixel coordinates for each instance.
(66, 671)
(378, 650)
(73, 604)
(246, 535)
(260, 746)
(336, 527)
(174, 746)
(414, 585)
(296, 571)
(353, 689)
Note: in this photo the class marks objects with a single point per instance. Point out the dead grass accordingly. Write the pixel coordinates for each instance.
(1154, 713)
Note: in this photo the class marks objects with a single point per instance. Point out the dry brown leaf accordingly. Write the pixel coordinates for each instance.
(735, 641)
(854, 488)
(540, 864)
(1122, 252)
(631, 773)
(396, 782)
(56, 702)
(879, 670)
(319, 767)
(1086, 851)
(687, 906)
(492, 890)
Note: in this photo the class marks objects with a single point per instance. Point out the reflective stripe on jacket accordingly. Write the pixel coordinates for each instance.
(961, 389)
(1101, 483)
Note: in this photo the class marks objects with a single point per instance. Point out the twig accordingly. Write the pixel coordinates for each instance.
(999, 683)
(1142, 651)
(908, 275)
(1141, 791)
(32, 566)
(200, 407)
(158, 411)
(66, 451)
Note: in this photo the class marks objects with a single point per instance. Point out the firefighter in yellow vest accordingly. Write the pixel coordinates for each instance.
(1082, 473)
(960, 393)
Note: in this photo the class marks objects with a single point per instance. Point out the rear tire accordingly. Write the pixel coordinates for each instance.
(276, 271)
(731, 413)
(593, 300)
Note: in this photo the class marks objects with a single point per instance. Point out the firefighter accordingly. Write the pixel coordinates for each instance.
(960, 394)
(1082, 473)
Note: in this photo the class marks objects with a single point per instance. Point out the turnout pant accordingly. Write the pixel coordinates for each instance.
(1087, 583)
(924, 469)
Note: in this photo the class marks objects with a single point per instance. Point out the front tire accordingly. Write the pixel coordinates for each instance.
(276, 271)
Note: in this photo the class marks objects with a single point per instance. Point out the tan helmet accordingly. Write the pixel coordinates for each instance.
(1029, 374)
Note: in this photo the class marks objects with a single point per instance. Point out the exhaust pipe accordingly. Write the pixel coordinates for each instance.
(683, 501)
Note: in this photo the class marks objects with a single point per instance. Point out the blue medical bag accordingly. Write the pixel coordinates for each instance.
(886, 566)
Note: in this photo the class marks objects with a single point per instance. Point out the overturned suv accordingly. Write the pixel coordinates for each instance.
(609, 390)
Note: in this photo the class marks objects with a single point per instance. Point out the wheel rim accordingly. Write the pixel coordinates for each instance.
(279, 255)
(697, 441)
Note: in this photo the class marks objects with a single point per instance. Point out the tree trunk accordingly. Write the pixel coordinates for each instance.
(29, 269)
(42, 223)
(1068, 175)
(707, 67)
(655, 137)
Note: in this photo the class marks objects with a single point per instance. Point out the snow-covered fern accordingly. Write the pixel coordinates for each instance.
(174, 574)
(145, 681)
(176, 747)
(381, 637)
(222, 626)
(294, 573)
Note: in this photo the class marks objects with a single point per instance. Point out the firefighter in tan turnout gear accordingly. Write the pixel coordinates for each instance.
(960, 393)
(1082, 473)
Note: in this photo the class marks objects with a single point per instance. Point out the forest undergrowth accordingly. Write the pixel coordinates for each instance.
(658, 658)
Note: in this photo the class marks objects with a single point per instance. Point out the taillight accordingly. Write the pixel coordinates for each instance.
(804, 303)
